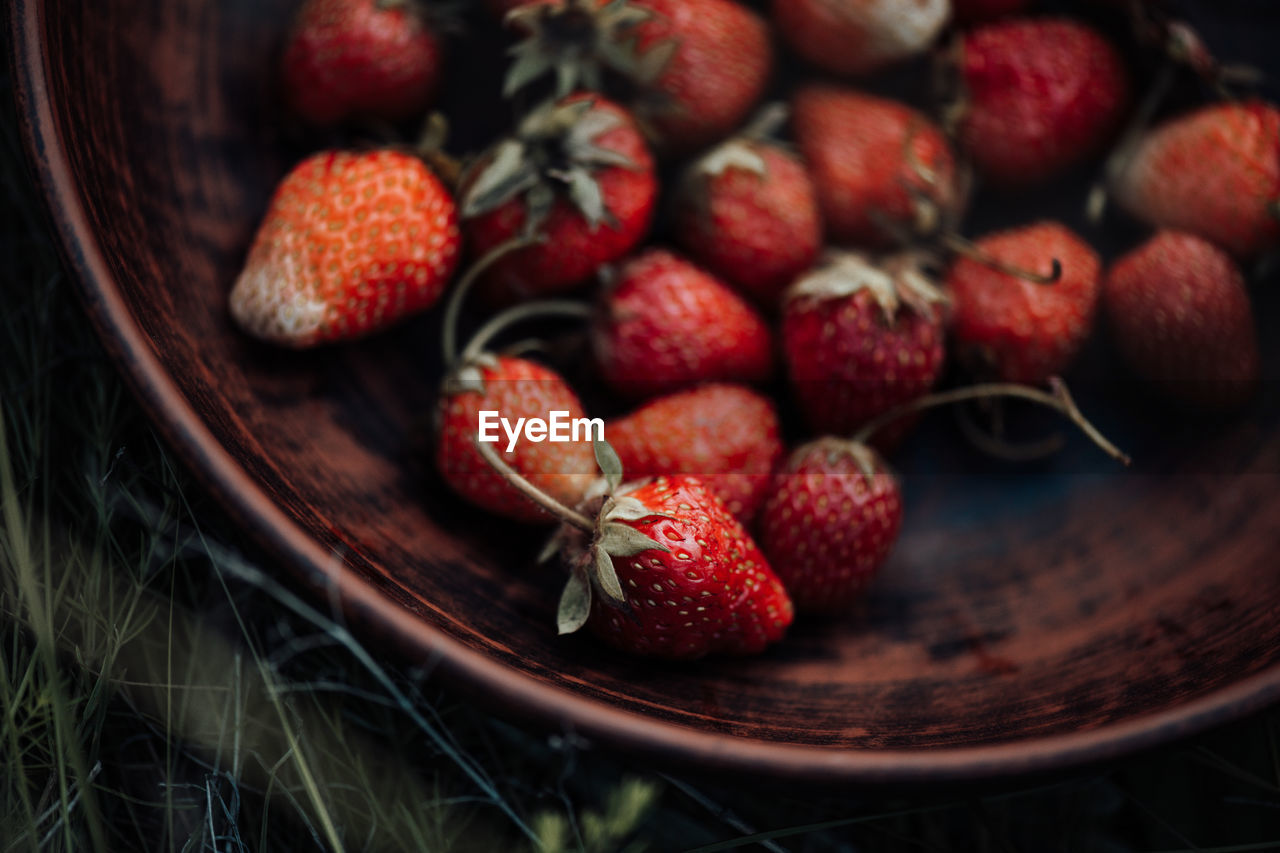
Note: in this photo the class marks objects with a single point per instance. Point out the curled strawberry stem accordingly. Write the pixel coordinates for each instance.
(1059, 399)
(453, 309)
(518, 314)
(532, 492)
(990, 440)
(967, 249)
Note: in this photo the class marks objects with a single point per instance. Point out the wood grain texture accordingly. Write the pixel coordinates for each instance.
(1030, 619)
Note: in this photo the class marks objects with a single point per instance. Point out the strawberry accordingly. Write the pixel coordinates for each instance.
(1039, 95)
(748, 212)
(660, 567)
(699, 66)
(861, 338)
(666, 325)
(1014, 328)
(858, 37)
(881, 169)
(831, 517)
(680, 578)
(350, 244)
(725, 435)
(972, 11)
(1214, 172)
(515, 388)
(1180, 315)
(379, 59)
(579, 177)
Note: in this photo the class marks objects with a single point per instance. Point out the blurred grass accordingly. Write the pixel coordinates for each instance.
(158, 691)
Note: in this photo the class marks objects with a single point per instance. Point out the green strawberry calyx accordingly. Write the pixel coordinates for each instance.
(612, 534)
(615, 535)
(555, 151)
(579, 41)
(893, 282)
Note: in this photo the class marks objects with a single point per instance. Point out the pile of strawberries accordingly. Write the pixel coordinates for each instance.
(815, 238)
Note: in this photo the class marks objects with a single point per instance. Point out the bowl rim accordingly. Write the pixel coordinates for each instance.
(496, 686)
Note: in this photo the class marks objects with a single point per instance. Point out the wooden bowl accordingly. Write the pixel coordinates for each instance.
(1031, 619)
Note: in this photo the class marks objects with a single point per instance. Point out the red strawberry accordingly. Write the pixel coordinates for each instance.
(1214, 172)
(377, 59)
(579, 176)
(748, 212)
(725, 435)
(515, 388)
(861, 338)
(1040, 95)
(971, 11)
(678, 576)
(666, 325)
(700, 65)
(1180, 316)
(1016, 329)
(831, 517)
(881, 169)
(351, 243)
(859, 36)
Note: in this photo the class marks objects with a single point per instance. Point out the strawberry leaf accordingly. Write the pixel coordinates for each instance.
(510, 173)
(627, 509)
(539, 201)
(529, 63)
(655, 61)
(575, 602)
(576, 41)
(610, 464)
(587, 196)
(607, 576)
(620, 540)
(554, 543)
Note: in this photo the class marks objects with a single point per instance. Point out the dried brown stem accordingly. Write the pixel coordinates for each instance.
(518, 314)
(453, 309)
(532, 492)
(964, 247)
(1060, 400)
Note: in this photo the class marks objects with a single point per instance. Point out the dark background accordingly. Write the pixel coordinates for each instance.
(158, 692)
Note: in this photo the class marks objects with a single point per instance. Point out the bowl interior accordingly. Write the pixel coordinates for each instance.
(1024, 602)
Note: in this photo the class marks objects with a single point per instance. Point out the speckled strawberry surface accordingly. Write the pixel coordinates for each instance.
(1180, 315)
(572, 246)
(665, 325)
(1214, 172)
(1011, 328)
(718, 72)
(695, 68)
(857, 345)
(351, 243)
(725, 435)
(515, 388)
(748, 212)
(831, 518)
(366, 58)
(1039, 95)
(711, 592)
(877, 164)
(857, 37)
